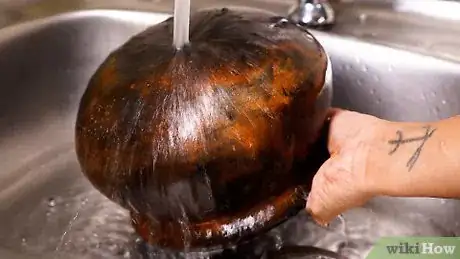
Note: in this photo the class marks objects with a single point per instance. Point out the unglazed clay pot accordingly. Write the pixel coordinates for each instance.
(199, 144)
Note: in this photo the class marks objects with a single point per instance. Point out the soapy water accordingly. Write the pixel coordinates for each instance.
(67, 218)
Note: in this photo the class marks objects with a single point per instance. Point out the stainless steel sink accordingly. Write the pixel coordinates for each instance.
(49, 210)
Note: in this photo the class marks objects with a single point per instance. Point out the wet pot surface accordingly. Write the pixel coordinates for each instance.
(211, 144)
(49, 210)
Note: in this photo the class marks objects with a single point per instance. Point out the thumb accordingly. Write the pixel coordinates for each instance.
(329, 193)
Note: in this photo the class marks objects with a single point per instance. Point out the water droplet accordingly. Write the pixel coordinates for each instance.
(347, 67)
(376, 78)
(113, 248)
(390, 68)
(84, 201)
(50, 212)
(364, 68)
(444, 102)
(372, 91)
(359, 82)
(127, 254)
(24, 241)
(443, 201)
(51, 202)
(378, 101)
(423, 97)
(370, 35)
(433, 94)
(362, 17)
(436, 110)
(278, 241)
(357, 60)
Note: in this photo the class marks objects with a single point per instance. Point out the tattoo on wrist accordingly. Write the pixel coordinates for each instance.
(400, 140)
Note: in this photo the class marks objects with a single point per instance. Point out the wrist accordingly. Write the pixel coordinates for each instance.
(408, 160)
(378, 176)
(390, 157)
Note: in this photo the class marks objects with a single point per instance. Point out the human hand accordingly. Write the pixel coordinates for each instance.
(349, 177)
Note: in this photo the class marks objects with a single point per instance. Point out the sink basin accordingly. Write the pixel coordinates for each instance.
(49, 210)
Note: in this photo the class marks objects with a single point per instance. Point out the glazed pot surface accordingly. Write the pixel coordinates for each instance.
(213, 143)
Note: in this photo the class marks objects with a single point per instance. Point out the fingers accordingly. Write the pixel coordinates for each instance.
(331, 193)
(336, 118)
(333, 112)
(335, 187)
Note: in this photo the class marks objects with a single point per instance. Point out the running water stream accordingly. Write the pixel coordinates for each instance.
(181, 23)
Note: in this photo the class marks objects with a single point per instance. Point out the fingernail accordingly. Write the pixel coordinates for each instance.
(321, 222)
(317, 220)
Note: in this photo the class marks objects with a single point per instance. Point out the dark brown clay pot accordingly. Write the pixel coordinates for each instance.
(199, 144)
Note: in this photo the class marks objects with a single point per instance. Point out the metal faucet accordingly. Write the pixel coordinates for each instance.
(313, 13)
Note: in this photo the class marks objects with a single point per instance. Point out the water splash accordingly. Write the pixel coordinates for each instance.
(69, 227)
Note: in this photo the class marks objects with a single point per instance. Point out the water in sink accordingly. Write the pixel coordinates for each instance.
(74, 219)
